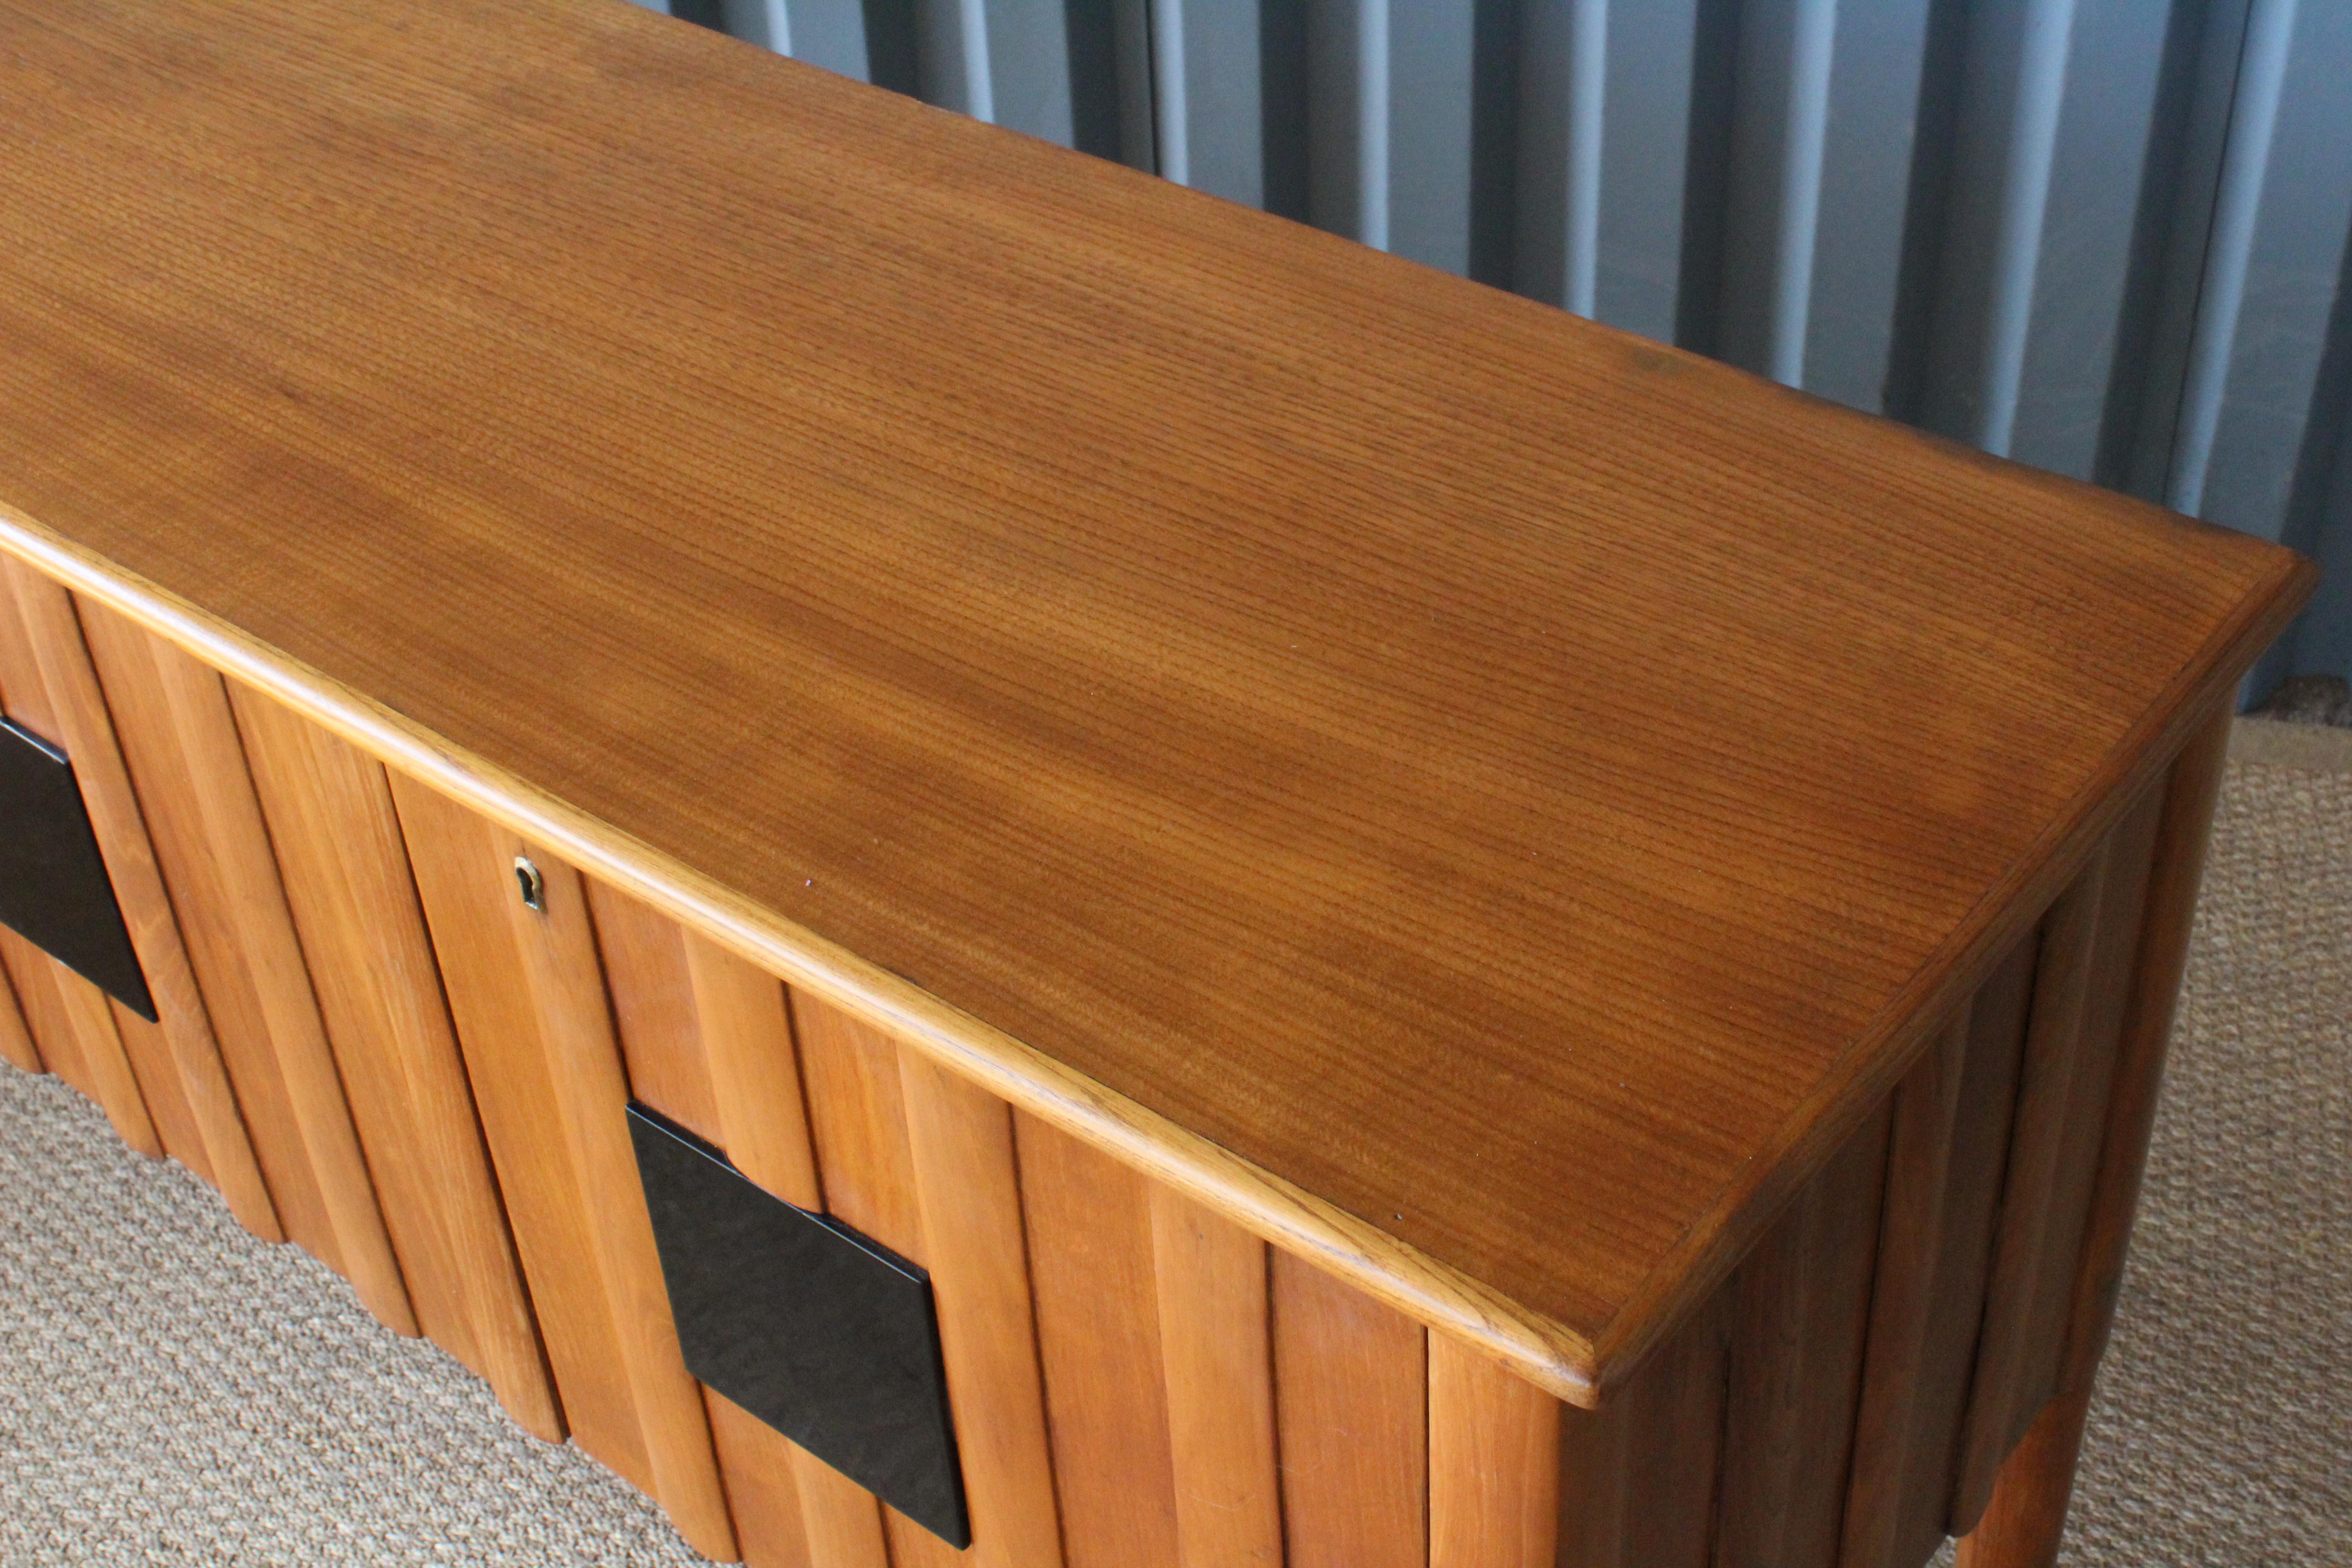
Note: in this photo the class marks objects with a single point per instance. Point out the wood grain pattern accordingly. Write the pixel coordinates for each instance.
(2022, 1520)
(45, 671)
(2025, 1518)
(528, 996)
(1351, 1383)
(16, 1045)
(1800, 1309)
(149, 1054)
(1494, 1463)
(968, 1185)
(689, 1017)
(180, 742)
(857, 1122)
(2176, 867)
(2044, 1097)
(660, 1028)
(984, 564)
(1911, 1239)
(763, 1498)
(1209, 1280)
(2122, 907)
(1098, 1341)
(34, 977)
(1640, 1478)
(345, 870)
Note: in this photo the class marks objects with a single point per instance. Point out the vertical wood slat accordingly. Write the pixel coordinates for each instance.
(1151, 1321)
(1351, 1378)
(758, 1466)
(1998, 1022)
(857, 1122)
(344, 865)
(180, 743)
(43, 662)
(913, 1156)
(1494, 1463)
(2176, 867)
(53, 1018)
(527, 993)
(2131, 845)
(1911, 1238)
(1089, 1220)
(1640, 1478)
(967, 1181)
(1801, 1312)
(16, 1045)
(2037, 1137)
(70, 1014)
(1216, 1355)
(151, 1057)
(925, 1164)
(788, 1507)
(2026, 1514)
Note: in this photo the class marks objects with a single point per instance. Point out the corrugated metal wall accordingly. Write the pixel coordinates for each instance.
(2106, 237)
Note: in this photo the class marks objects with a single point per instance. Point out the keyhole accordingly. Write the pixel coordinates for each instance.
(534, 887)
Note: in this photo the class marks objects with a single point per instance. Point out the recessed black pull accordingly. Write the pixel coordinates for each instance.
(824, 1334)
(54, 889)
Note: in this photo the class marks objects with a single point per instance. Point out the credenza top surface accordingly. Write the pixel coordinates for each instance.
(1519, 783)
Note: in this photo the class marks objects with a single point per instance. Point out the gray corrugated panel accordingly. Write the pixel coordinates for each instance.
(2274, 266)
(1430, 181)
(1868, 144)
(1772, 214)
(1347, 118)
(2105, 236)
(1209, 76)
(2013, 89)
(2065, 359)
(1029, 66)
(828, 33)
(2324, 641)
(952, 57)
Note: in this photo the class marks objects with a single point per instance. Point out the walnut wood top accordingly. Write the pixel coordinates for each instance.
(1522, 790)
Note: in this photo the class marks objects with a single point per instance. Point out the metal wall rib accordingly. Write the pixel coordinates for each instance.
(2105, 236)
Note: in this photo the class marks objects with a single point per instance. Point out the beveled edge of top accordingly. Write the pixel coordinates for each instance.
(1554, 1357)
(1548, 1354)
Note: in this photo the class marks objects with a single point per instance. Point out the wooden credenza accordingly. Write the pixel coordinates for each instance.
(1450, 938)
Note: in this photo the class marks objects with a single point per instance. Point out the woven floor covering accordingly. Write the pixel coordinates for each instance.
(173, 1390)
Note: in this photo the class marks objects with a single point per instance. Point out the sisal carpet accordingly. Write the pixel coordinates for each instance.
(173, 1390)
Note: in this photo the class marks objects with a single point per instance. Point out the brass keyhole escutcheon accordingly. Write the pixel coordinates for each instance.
(533, 886)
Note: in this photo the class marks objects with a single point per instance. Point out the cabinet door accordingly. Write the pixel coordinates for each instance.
(527, 995)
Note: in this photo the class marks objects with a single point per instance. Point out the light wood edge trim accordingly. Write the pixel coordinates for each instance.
(1883, 1053)
(1545, 1352)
